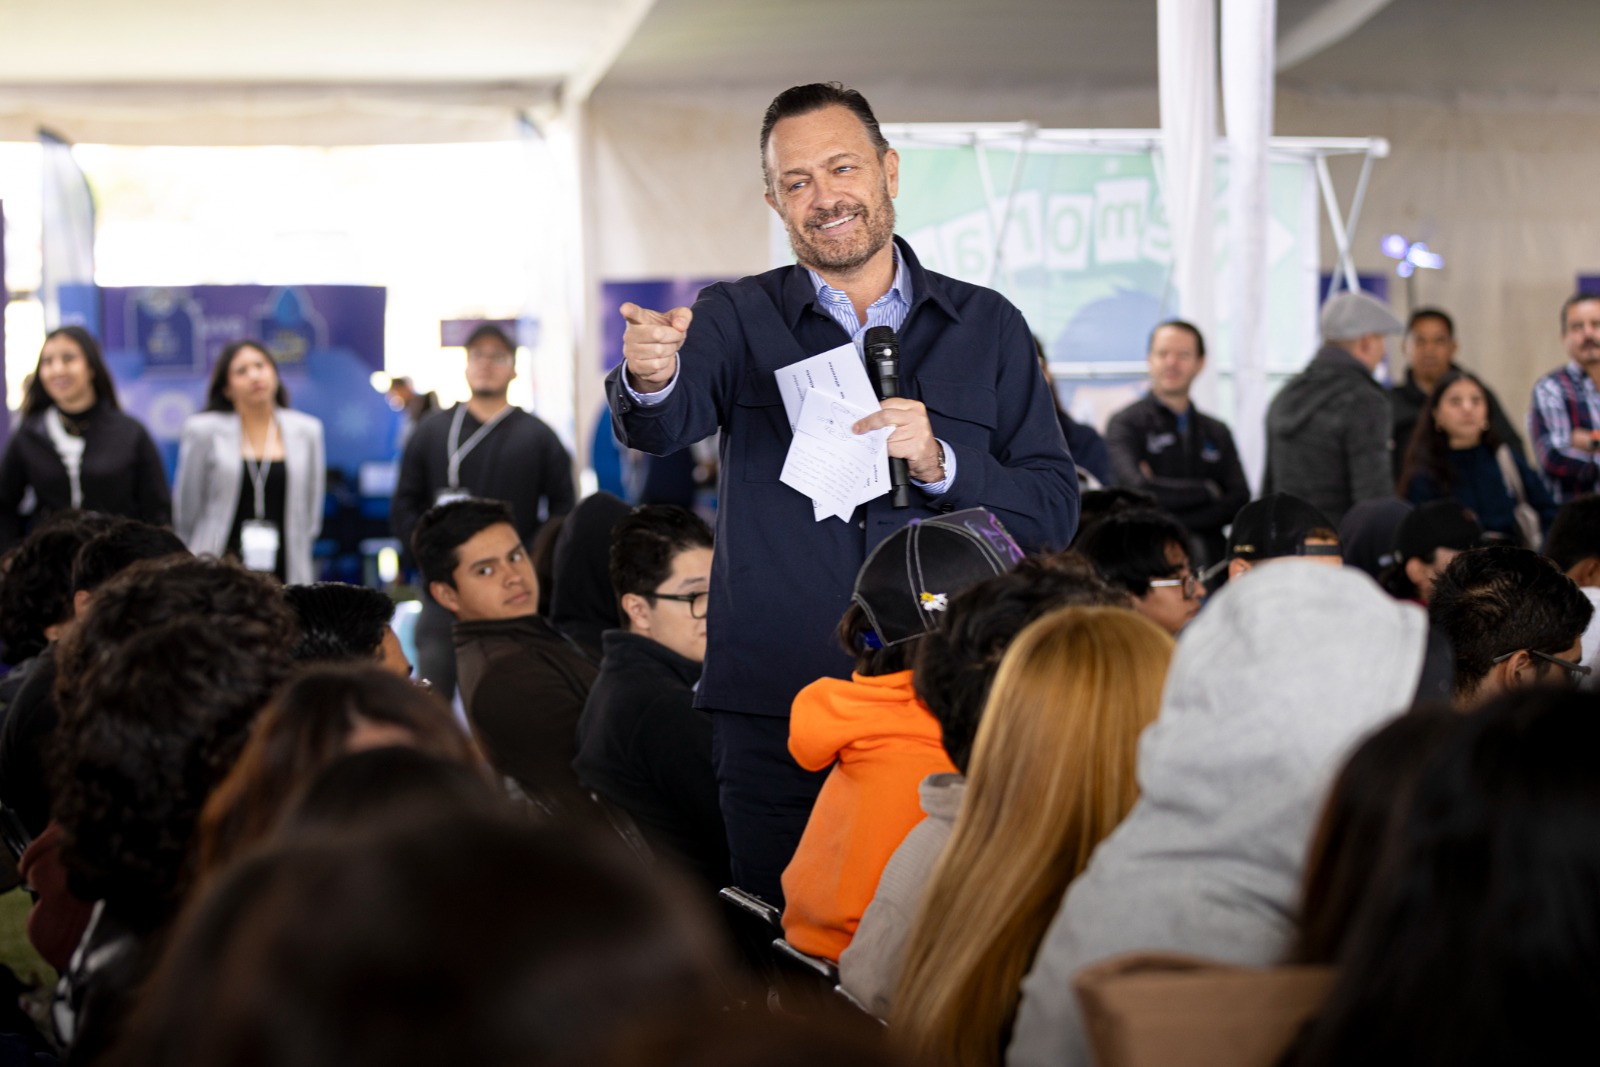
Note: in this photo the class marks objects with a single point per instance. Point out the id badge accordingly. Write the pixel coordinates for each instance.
(450, 494)
(258, 545)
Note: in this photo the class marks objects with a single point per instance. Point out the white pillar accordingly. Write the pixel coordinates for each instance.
(1187, 47)
(1248, 28)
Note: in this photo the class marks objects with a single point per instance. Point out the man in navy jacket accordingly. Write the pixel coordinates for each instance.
(975, 424)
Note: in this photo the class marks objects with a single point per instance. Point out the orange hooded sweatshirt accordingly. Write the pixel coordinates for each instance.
(884, 742)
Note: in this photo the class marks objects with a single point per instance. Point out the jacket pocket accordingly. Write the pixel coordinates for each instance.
(760, 430)
(960, 412)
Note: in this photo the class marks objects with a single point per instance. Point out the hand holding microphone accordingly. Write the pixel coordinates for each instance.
(912, 448)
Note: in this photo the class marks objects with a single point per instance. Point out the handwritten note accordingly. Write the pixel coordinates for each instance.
(837, 469)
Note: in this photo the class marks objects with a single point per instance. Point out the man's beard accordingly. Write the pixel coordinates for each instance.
(875, 229)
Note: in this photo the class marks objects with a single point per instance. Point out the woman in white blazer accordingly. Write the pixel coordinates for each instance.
(251, 471)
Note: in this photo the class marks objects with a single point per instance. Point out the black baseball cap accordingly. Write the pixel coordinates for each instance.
(1437, 524)
(908, 580)
(1278, 525)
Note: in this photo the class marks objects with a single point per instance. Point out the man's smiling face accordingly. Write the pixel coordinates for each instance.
(832, 191)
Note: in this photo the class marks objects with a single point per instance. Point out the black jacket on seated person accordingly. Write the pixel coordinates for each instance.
(643, 746)
(523, 685)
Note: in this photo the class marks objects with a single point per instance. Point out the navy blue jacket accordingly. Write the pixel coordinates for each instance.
(780, 580)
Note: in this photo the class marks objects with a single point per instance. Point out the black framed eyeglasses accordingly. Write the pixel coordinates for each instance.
(1189, 583)
(1576, 672)
(698, 602)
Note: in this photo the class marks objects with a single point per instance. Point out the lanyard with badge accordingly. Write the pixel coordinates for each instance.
(458, 452)
(259, 537)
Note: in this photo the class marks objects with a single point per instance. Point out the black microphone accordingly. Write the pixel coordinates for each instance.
(883, 360)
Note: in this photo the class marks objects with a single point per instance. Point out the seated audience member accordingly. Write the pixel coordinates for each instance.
(346, 624)
(1267, 692)
(1372, 791)
(1454, 452)
(642, 744)
(955, 669)
(1164, 444)
(1430, 349)
(36, 594)
(161, 697)
(1574, 544)
(1280, 526)
(455, 939)
(106, 549)
(321, 714)
(1147, 554)
(1427, 540)
(1513, 620)
(879, 738)
(1478, 943)
(523, 683)
(1052, 774)
(1098, 504)
(582, 603)
(1366, 534)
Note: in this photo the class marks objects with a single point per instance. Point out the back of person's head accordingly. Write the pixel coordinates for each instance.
(644, 544)
(1506, 610)
(444, 528)
(1098, 504)
(120, 546)
(461, 939)
(1366, 533)
(1280, 525)
(157, 591)
(1479, 943)
(36, 589)
(1575, 539)
(152, 729)
(1052, 775)
(388, 785)
(339, 623)
(1372, 790)
(1132, 548)
(957, 661)
(1427, 539)
(322, 713)
(583, 600)
(542, 554)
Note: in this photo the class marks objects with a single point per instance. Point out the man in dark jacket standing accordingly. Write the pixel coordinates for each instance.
(1164, 446)
(1328, 429)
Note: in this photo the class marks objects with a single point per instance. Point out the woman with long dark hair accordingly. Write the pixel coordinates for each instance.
(251, 471)
(1480, 941)
(75, 447)
(1455, 452)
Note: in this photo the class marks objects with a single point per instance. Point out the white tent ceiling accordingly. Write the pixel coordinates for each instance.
(212, 71)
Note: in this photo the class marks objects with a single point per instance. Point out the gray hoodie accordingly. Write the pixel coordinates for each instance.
(1328, 433)
(1270, 688)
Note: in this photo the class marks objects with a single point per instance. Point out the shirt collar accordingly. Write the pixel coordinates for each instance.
(900, 288)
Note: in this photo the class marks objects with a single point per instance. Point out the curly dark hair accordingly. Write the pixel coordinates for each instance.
(153, 728)
(153, 592)
(957, 662)
(339, 623)
(36, 588)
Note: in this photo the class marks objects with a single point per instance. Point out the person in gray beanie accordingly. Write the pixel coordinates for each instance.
(1328, 428)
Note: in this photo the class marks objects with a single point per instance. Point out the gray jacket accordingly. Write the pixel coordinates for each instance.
(1328, 435)
(1271, 686)
(869, 969)
(210, 469)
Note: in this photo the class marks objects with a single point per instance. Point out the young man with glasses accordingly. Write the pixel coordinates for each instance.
(642, 744)
(1513, 620)
(1146, 553)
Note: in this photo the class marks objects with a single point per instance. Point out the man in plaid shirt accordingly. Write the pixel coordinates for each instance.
(1564, 422)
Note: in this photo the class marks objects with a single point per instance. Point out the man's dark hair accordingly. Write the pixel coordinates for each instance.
(1435, 313)
(217, 387)
(956, 663)
(1566, 305)
(1179, 324)
(154, 592)
(804, 99)
(37, 399)
(644, 544)
(154, 728)
(1097, 505)
(1130, 550)
(1575, 535)
(112, 551)
(444, 528)
(36, 587)
(339, 623)
(490, 330)
(1491, 601)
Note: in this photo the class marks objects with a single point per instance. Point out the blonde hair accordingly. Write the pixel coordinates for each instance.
(1052, 775)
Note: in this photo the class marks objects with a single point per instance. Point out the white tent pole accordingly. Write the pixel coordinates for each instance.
(1341, 237)
(1354, 218)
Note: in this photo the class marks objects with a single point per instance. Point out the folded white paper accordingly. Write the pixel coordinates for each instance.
(839, 374)
(828, 463)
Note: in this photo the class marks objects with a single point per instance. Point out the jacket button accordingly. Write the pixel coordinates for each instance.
(947, 508)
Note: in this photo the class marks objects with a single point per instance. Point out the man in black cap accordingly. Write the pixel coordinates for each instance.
(1328, 429)
(1278, 526)
(1428, 538)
